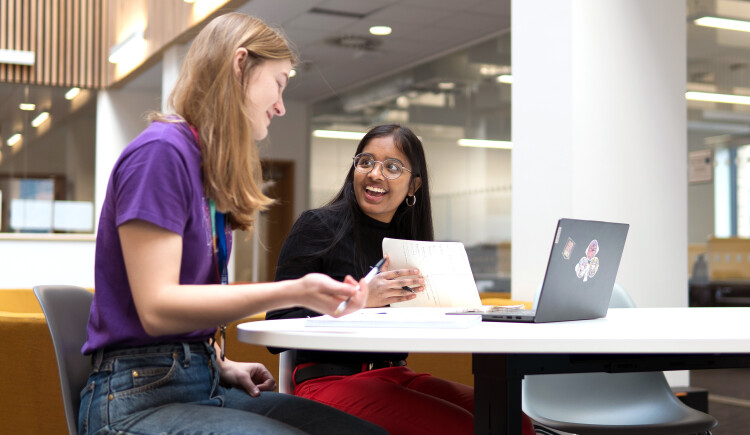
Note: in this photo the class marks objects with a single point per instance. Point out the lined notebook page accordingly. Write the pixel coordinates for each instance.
(445, 267)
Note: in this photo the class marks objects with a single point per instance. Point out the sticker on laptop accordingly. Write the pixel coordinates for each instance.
(588, 266)
(568, 248)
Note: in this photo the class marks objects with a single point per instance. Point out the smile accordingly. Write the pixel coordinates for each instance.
(374, 194)
(375, 189)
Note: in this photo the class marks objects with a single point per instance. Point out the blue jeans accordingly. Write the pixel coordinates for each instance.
(174, 389)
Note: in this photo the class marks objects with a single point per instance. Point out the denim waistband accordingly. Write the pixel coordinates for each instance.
(103, 359)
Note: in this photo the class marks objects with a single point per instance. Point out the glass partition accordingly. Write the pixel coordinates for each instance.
(46, 159)
(459, 105)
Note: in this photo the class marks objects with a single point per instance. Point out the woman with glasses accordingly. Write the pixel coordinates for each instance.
(162, 246)
(386, 194)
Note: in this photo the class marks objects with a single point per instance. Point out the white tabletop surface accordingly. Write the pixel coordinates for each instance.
(624, 330)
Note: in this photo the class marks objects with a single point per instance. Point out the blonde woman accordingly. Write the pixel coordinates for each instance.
(162, 246)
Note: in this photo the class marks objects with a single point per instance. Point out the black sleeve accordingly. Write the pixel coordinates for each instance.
(308, 236)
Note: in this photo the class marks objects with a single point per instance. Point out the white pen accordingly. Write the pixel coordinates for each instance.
(370, 275)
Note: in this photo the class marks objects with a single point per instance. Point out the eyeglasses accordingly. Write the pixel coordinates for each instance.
(390, 168)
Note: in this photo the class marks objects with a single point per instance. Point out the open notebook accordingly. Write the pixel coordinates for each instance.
(445, 266)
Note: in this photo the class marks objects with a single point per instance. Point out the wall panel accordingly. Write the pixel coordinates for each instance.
(71, 38)
(65, 36)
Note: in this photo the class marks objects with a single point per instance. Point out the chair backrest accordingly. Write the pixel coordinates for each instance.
(286, 369)
(620, 298)
(66, 309)
(639, 402)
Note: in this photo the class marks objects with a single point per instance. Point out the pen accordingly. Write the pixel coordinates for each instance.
(407, 288)
(370, 275)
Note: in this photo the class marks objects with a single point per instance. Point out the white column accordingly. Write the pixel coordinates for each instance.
(599, 132)
(119, 119)
(171, 64)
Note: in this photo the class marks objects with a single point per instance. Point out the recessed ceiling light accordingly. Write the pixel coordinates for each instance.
(380, 30)
(17, 57)
(504, 78)
(72, 93)
(40, 119)
(27, 106)
(132, 47)
(14, 139)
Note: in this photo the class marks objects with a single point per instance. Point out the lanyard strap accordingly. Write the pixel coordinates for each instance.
(218, 225)
(218, 230)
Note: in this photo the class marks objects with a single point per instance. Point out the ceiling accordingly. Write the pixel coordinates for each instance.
(423, 32)
(422, 29)
(719, 61)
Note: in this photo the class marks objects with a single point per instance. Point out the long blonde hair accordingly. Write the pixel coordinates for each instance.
(210, 97)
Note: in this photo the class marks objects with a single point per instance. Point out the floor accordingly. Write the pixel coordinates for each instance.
(728, 398)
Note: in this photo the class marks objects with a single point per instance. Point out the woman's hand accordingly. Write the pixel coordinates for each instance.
(253, 377)
(388, 286)
(324, 294)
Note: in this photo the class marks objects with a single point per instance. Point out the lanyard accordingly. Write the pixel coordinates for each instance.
(218, 225)
(218, 230)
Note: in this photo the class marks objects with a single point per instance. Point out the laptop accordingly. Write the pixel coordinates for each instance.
(580, 275)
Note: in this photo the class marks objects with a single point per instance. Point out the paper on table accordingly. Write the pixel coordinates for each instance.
(415, 317)
(445, 266)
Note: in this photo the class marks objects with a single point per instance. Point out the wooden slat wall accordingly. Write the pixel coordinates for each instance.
(66, 36)
(71, 38)
(164, 21)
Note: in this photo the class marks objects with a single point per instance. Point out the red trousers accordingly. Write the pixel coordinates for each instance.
(400, 400)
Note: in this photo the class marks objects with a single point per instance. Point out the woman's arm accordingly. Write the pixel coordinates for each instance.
(152, 260)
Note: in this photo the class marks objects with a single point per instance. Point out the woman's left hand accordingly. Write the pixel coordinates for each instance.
(253, 377)
(388, 286)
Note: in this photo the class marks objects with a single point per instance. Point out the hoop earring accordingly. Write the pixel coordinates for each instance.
(414, 200)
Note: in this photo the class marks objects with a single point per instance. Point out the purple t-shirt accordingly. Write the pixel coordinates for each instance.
(157, 179)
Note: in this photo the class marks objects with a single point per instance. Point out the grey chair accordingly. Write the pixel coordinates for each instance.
(610, 403)
(66, 309)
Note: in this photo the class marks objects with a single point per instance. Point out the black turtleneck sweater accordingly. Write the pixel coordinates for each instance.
(313, 232)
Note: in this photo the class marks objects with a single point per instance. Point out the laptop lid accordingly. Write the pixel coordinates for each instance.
(581, 270)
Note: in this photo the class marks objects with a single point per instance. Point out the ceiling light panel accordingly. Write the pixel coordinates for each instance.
(723, 23)
(14, 139)
(481, 143)
(718, 98)
(40, 119)
(336, 134)
(72, 93)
